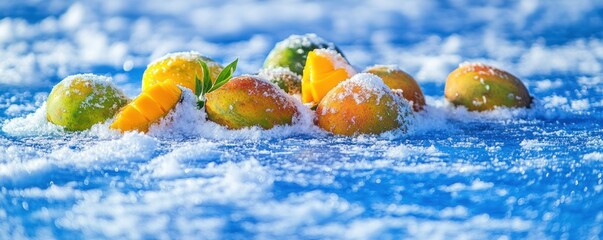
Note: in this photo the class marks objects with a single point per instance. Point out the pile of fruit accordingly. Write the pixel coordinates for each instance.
(300, 68)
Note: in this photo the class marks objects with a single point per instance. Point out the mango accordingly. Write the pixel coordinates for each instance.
(180, 68)
(283, 78)
(362, 105)
(149, 107)
(292, 52)
(80, 101)
(480, 87)
(395, 78)
(247, 101)
(324, 70)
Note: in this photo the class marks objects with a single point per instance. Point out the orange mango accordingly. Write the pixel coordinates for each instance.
(480, 87)
(397, 79)
(149, 107)
(247, 101)
(362, 105)
(323, 71)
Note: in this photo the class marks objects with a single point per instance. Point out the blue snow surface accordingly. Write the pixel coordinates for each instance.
(505, 174)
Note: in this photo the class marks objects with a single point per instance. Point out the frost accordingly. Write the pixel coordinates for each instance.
(594, 156)
(580, 105)
(307, 40)
(191, 56)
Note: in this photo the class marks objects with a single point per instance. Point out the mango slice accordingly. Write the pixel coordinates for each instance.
(323, 71)
(149, 107)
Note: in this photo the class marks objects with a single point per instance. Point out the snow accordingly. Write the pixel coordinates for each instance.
(593, 156)
(307, 40)
(190, 56)
(88, 77)
(503, 174)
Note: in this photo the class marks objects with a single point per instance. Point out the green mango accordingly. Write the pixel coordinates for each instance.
(82, 100)
(283, 78)
(292, 52)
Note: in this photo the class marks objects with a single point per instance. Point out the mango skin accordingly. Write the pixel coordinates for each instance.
(80, 101)
(397, 79)
(247, 101)
(340, 113)
(180, 68)
(284, 79)
(480, 87)
(292, 52)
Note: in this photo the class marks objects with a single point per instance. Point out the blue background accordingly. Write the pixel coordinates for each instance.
(510, 173)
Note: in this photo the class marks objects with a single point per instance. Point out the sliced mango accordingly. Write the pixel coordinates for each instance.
(321, 86)
(149, 107)
(321, 75)
(167, 100)
(128, 119)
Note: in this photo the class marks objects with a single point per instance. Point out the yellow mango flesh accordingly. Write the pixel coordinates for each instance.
(150, 106)
(320, 76)
(321, 86)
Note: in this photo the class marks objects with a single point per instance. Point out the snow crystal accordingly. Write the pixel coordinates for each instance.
(191, 56)
(34, 124)
(88, 77)
(597, 156)
(545, 85)
(484, 69)
(54, 192)
(533, 144)
(476, 185)
(580, 105)
(369, 82)
(404, 152)
(578, 56)
(307, 40)
(389, 67)
(270, 73)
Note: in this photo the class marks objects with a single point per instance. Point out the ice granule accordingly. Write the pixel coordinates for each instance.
(598, 156)
(188, 56)
(271, 73)
(92, 78)
(307, 40)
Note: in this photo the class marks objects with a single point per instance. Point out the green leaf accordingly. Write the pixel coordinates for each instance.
(198, 87)
(206, 85)
(206, 78)
(200, 104)
(225, 75)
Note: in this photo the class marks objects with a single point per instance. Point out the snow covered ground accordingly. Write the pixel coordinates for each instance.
(510, 173)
